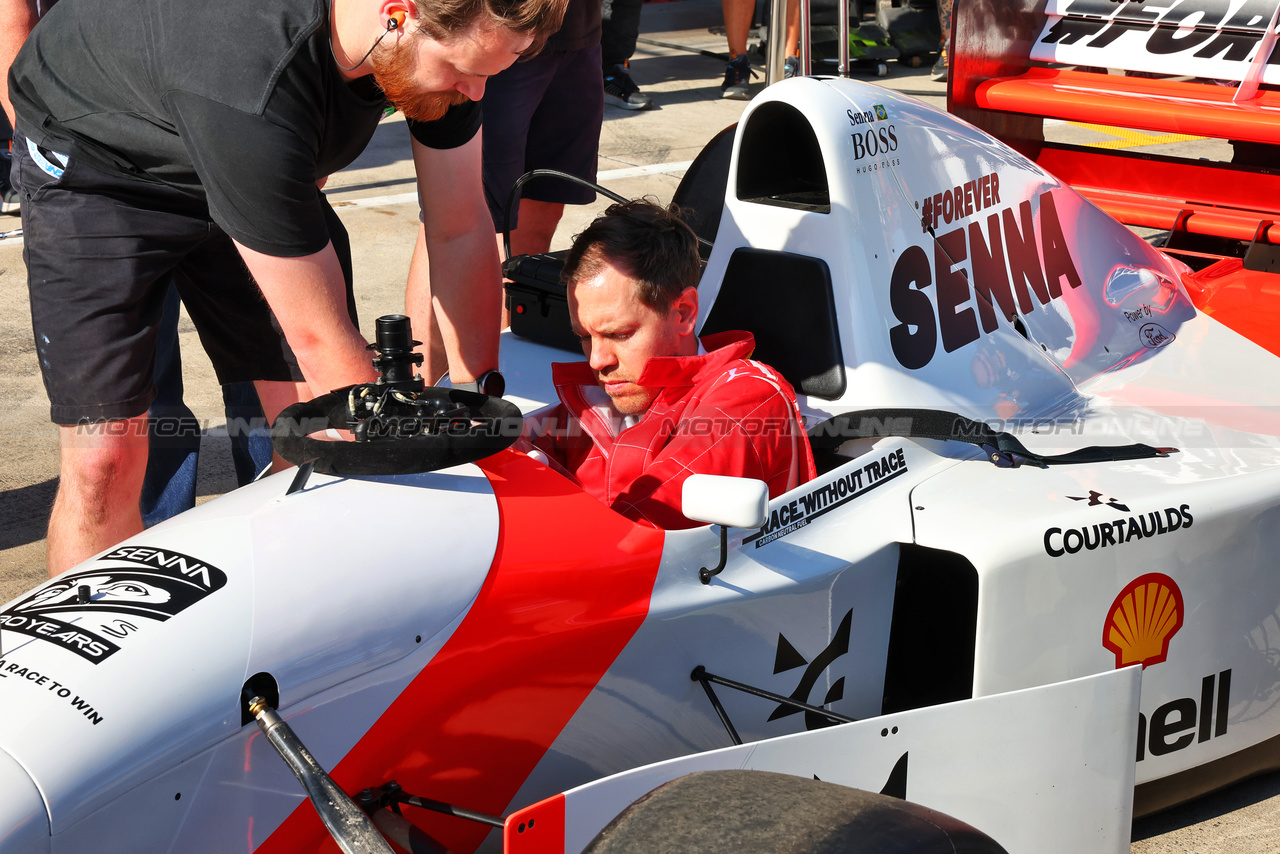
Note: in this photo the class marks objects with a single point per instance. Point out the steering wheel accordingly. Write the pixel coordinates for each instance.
(397, 431)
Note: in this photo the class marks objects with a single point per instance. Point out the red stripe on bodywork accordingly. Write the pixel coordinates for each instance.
(1247, 301)
(536, 829)
(569, 587)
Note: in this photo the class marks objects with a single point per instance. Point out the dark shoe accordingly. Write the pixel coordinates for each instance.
(791, 67)
(737, 78)
(939, 72)
(621, 91)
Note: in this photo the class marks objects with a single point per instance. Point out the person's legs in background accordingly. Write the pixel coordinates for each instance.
(8, 195)
(737, 26)
(620, 25)
(939, 71)
(173, 433)
(248, 430)
(564, 92)
(98, 289)
(791, 48)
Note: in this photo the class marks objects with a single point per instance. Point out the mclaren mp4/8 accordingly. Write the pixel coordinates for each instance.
(1034, 575)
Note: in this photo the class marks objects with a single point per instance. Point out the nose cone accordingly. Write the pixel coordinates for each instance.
(24, 821)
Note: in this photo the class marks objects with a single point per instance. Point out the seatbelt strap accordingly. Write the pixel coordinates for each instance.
(1002, 449)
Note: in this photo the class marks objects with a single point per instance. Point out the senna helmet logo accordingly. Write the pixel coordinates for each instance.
(88, 611)
(1143, 619)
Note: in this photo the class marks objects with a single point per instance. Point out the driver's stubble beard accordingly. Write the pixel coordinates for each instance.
(393, 70)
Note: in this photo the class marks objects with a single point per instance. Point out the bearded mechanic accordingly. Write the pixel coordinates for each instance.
(652, 404)
(184, 141)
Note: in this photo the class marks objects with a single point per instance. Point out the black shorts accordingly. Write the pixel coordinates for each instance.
(543, 113)
(101, 254)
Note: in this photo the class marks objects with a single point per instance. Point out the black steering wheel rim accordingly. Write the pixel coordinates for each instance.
(495, 425)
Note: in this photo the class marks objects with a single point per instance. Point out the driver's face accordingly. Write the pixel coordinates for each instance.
(423, 77)
(619, 333)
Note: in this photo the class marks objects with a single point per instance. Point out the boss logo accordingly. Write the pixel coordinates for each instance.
(874, 142)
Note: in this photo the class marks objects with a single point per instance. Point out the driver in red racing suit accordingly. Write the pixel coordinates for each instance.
(653, 405)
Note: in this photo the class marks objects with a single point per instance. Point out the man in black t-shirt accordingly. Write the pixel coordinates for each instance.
(180, 142)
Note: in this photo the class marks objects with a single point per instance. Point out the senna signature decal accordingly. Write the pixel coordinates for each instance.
(799, 512)
(1013, 271)
(86, 612)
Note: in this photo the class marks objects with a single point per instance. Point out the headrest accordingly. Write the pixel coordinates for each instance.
(785, 300)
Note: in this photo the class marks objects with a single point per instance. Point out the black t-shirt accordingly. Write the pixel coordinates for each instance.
(237, 103)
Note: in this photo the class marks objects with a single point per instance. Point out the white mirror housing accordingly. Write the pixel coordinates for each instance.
(736, 502)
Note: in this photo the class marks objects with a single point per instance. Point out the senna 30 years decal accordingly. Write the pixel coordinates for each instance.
(92, 611)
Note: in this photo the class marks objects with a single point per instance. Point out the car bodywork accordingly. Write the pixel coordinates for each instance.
(488, 635)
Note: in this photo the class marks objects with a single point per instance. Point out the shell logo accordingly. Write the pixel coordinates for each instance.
(1143, 619)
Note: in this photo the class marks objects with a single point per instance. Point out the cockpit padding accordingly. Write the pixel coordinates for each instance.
(780, 162)
(785, 300)
(700, 195)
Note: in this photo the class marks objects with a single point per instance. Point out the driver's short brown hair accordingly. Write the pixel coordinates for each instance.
(442, 19)
(648, 242)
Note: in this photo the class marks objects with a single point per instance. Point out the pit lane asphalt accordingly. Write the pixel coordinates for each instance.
(375, 198)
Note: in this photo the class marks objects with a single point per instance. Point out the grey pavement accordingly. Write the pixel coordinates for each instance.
(376, 199)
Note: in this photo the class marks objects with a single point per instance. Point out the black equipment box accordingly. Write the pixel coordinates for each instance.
(536, 300)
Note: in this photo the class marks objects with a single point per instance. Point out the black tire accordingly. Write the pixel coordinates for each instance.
(731, 812)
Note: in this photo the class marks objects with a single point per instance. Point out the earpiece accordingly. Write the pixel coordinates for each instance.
(395, 22)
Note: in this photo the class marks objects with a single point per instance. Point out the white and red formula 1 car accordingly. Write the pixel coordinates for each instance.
(482, 655)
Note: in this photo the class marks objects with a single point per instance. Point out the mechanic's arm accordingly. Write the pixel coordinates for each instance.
(17, 17)
(464, 279)
(309, 297)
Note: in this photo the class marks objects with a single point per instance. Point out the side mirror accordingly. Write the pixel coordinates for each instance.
(739, 502)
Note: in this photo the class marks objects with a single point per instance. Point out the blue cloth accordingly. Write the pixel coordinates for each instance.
(169, 486)
(247, 426)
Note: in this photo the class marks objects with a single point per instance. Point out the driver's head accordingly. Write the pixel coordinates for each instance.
(632, 280)
(445, 50)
